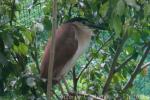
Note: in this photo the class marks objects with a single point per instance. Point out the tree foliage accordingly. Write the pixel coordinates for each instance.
(117, 54)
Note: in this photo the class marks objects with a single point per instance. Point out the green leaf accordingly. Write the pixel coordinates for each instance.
(104, 8)
(117, 24)
(147, 10)
(133, 4)
(118, 77)
(15, 49)
(47, 23)
(8, 40)
(134, 34)
(129, 50)
(135, 56)
(3, 59)
(120, 9)
(73, 1)
(27, 35)
(47, 9)
(1, 45)
(21, 49)
(94, 53)
(115, 79)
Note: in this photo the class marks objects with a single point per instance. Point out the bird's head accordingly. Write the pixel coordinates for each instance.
(83, 23)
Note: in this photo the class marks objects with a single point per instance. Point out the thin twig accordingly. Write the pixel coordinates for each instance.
(112, 69)
(137, 70)
(88, 95)
(145, 65)
(93, 57)
(124, 63)
(56, 95)
(52, 51)
(74, 80)
(35, 58)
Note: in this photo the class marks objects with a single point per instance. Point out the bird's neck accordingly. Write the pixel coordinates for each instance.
(83, 33)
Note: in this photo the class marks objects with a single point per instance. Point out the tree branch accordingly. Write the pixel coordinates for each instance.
(74, 80)
(112, 69)
(145, 65)
(88, 95)
(93, 57)
(52, 51)
(124, 63)
(137, 70)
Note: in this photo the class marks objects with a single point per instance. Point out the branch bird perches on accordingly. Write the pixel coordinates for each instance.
(52, 51)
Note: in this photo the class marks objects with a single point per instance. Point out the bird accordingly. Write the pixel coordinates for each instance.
(72, 39)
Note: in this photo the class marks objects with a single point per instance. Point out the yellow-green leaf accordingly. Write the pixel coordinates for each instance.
(147, 10)
(129, 50)
(120, 8)
(73, 1)
(23, 49)
(104, 9)
(133, 4)
(27, 35)
(117, 24)
(134, 34)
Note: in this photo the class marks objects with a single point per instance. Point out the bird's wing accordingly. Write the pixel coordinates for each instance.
(66, 47)
(45, 61)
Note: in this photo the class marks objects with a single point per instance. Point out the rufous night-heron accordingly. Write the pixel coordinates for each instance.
(72, 38)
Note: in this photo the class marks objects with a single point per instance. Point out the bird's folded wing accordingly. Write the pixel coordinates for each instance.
(66, 47)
